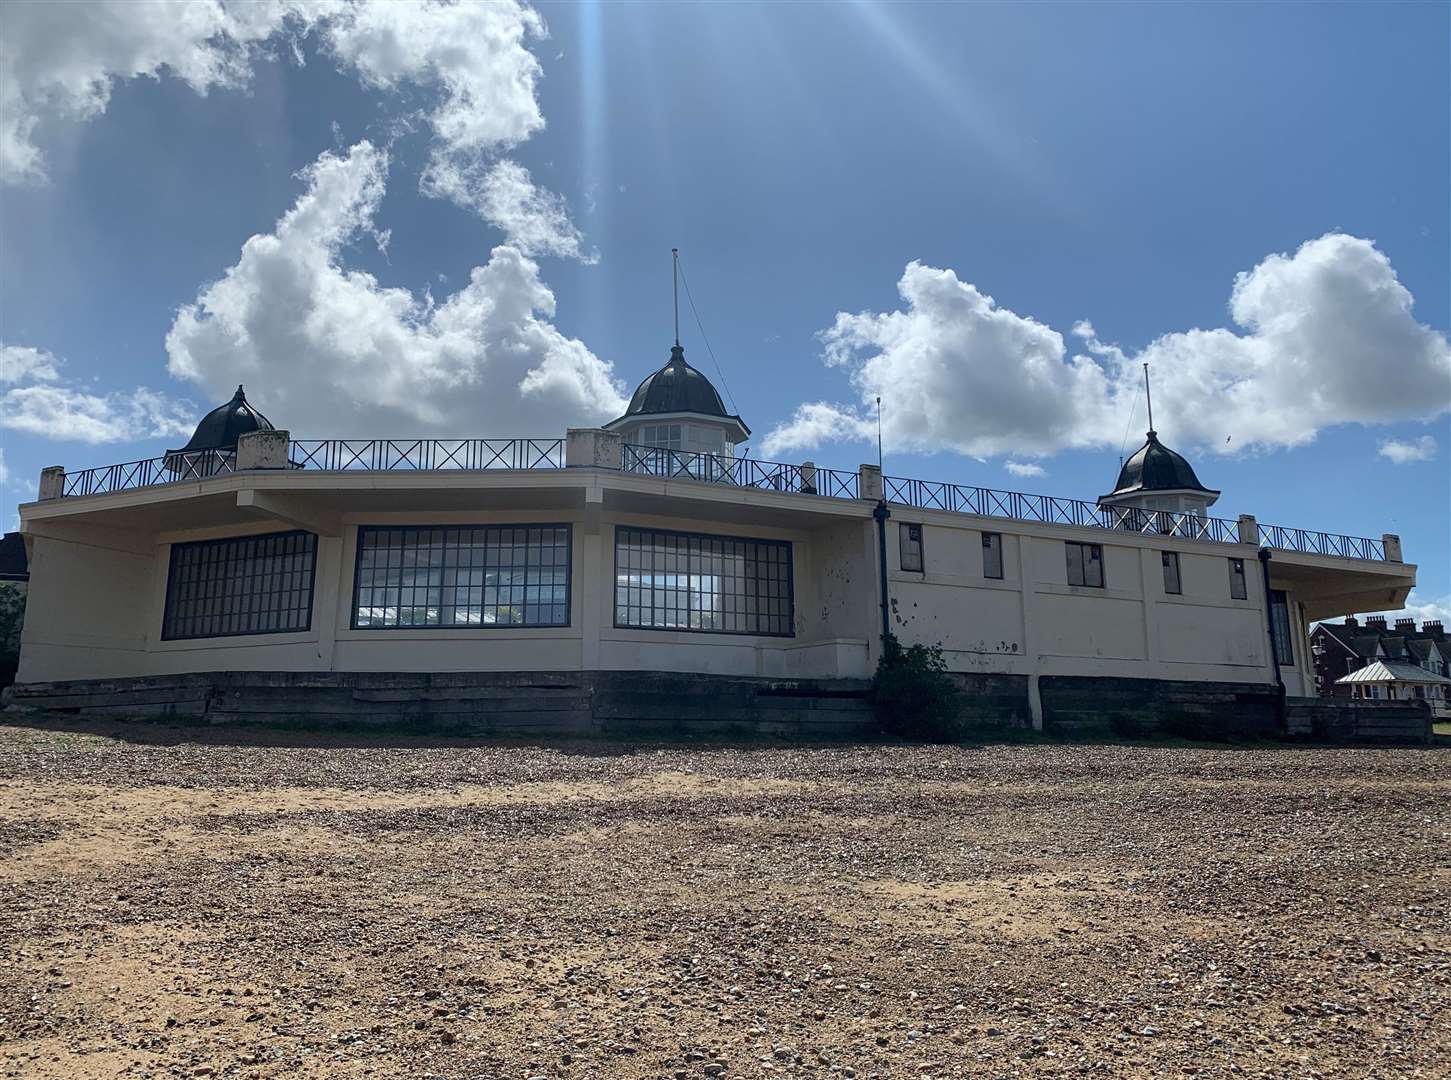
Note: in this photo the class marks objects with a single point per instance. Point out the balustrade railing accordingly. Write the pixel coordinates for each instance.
(738, 472)
(383, 455)
(988, 502)
(486, 454)
(1321, 543)
(167, 469)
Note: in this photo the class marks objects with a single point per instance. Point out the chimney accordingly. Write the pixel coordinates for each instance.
(1432, 627)
(1376, 622)
(1351, 620)
(1405, 626)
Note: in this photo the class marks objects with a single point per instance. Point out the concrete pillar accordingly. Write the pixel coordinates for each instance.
(808, 478)
(1249, 530)
(1391, 541)
(52, 482)
(262, 450)
(593, 448)
(869, 482)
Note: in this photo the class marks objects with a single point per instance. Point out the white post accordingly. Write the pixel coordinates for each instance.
(869, 482)
(262, 450)
(1392, 544)
(593, 448)
(52, 482)
(1249, 530)
(808, 478)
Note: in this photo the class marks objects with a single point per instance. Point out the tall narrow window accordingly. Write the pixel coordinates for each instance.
(910, 538)
(410, 577)
(1237, 589)
(1171, 572)
(247, 585)
(1085, 564)
(710, 584)
(992, 555)
(1280, 626)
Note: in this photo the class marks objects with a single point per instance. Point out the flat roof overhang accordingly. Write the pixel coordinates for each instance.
(1331, 586)
(318, 499)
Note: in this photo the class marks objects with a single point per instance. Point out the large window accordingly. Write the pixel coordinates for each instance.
(461, 575)
(909, 540)
(1280, 626)
(1085, 564)
(247, 585)
(712, 584)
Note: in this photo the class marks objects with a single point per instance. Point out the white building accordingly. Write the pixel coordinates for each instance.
(649, 546)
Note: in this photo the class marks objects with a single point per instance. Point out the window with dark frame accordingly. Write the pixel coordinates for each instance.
(1237, 589)
(1280, 627)
(910, 539)
(1085, 564)
(482, 576)
(706, 584)
(242, 585)
(992, 555)
(1172, 584)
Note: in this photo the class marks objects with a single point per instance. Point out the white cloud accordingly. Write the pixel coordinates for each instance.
(534, 220)
(1024, 468)
(49, 406)
(331, 351)
(61, 61)
(1327, 338)
(62, 412)
(23, 363)
(1401, 452)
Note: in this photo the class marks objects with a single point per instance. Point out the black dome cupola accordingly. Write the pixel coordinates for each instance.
(675, 388)
(220, 428)
(1154, 467)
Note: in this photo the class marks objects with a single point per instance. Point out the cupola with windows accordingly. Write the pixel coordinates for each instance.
(1157, 478)
(677, 408)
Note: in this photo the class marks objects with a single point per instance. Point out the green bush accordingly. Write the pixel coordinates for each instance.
(912, 694)
(12, 618)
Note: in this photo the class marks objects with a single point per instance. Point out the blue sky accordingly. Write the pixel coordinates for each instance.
(1112, 165)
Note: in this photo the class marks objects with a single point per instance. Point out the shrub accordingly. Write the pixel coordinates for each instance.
(912, 694)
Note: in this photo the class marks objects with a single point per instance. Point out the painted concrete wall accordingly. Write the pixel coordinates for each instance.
(97, 601)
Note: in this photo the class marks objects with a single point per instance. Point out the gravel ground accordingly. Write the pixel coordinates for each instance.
(183, 903)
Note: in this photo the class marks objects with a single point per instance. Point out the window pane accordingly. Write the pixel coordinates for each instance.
(467, 576)
(1171, 572)
(1280, 626)
(247, 585)
(910, 540)
(1093, 565)
(709, 584)
(1236, 579)
(1075, 563)
(992, 555)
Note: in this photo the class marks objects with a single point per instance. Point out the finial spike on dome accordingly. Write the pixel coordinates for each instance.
(675, 289)
(1149, 398)
(239, 393)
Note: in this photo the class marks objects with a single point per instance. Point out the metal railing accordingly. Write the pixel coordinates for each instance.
(167, 469)
(738, 472)
(1321, 543)
(383, 455)
(487, 454)
(988, 502)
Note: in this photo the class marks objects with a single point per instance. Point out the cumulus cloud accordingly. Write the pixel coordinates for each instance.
(534, 220)
(41, 402)
(61, 61)
(25, 363)
(1403, 452)
(1326, 337)
(331, 351)
(1025, 468)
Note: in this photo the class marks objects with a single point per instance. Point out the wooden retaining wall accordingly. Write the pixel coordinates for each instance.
(478, 703)
(1346, 720)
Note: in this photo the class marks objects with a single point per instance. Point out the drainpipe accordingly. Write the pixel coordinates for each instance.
(880, 515)
(1264, 556)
